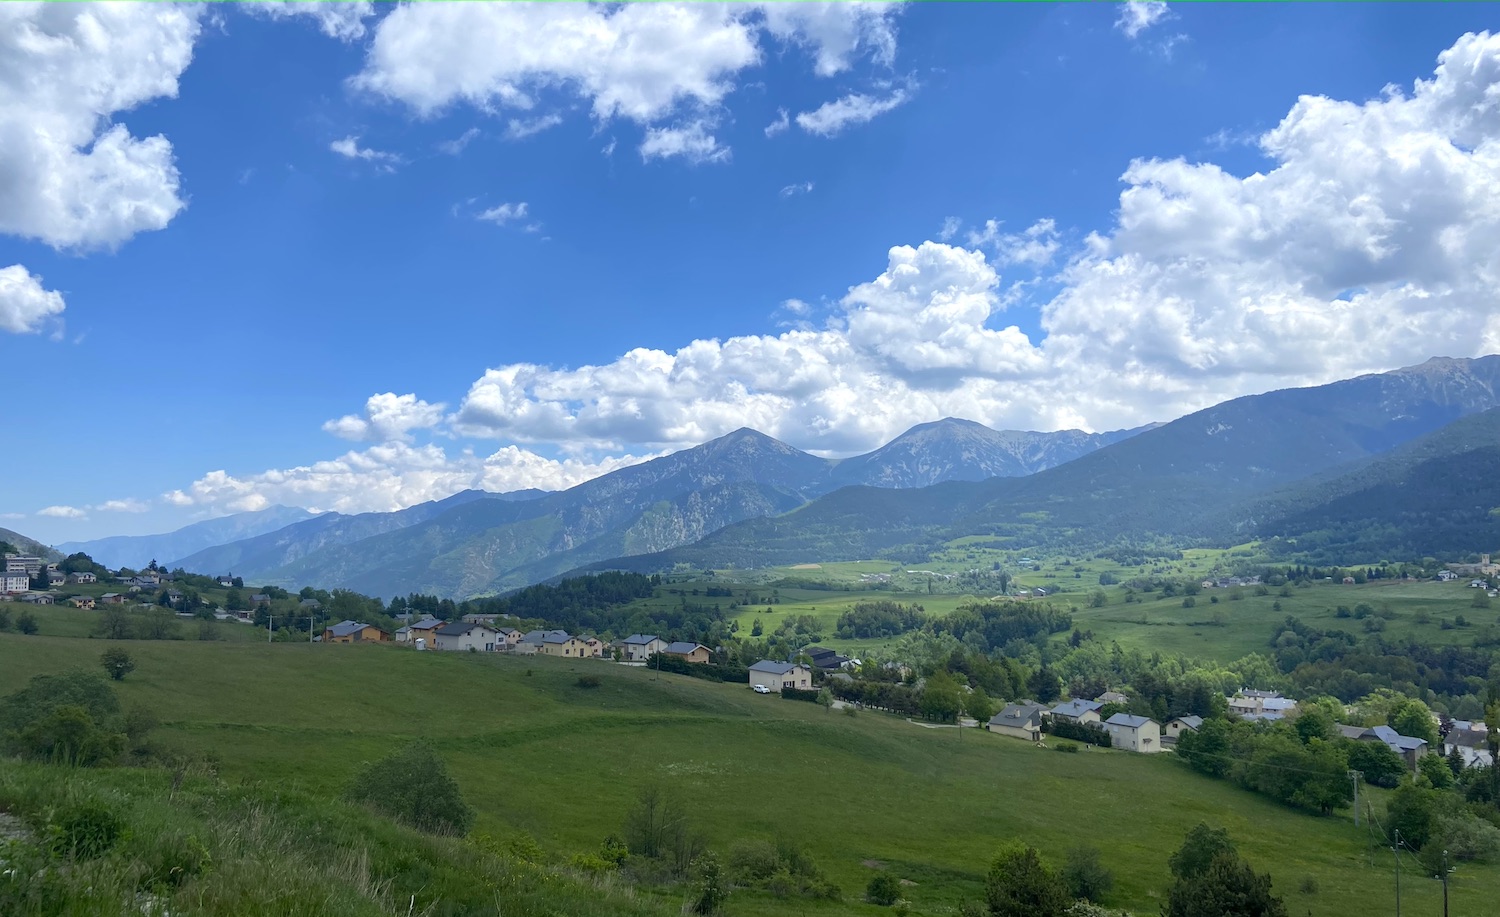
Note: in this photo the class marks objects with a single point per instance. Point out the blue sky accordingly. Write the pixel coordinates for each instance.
(355, 257)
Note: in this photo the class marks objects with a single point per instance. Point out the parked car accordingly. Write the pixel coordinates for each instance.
(762, 689)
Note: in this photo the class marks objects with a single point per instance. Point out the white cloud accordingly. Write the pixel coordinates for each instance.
(830, 118)
(387, 417)
(12, 515)
(1369, 244)
(344, 21)
(129, 505)
(692, 142)
(521, 128)
(177, 498)
(504, 213)
(1136, 16)
(950, 228)
(349, 148)
(25, 305)
(69, 175)
(392, 476)
(456, 145)
(802, 187)
(649, 63)
(62, 512)
(837, 32)
(780, 126)
(1034, 248)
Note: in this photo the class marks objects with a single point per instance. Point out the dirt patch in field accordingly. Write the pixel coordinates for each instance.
(872, 864)
(807, 566)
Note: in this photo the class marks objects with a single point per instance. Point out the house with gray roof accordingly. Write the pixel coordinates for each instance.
(1473, 745)
(461, 636)
(1019, 721)
(1077, 711)
(778, 675)
(1134, 733)
(689, 652)
(1177, 725)
(639, 647)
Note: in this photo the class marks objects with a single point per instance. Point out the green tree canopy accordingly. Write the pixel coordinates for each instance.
(1019, 884)
(1199, 848)
(413, 786)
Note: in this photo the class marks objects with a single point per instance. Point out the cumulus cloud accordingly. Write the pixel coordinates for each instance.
(69, 175)
(391, 476)
(650, 63)
(25, 305)
(691, 141)
(387, 417)
(349, 148)
(128, 505)
(62, 512)
(1369, 244)
(501, 214)
(344, 21)
(1136, 16)
(831, 118)
(1035, 247)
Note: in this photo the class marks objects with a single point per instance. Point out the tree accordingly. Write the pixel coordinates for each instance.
(413, 787)
(1227, 887)
(114, 623)
(1435, 768)
(1208, 749)
(1019, 884)
(1199, 849)
(712, 888)
(658, 828)
(1315, 724)
(117, 663)
(1412, 718)
(1376, 763)
(825, 698)
(979, 706)
(1412, 810)
(71, 719)
(884, 889)
(26, 623)
(940, 699)
(1044, 685)
(757, 629)
(1085, 876)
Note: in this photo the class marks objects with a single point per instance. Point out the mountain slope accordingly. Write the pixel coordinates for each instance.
(962, 450)
(1163, 480)
(254, 556)
(139, 550)
(29, 545)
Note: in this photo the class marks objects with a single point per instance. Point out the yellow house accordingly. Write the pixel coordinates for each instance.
(689, 652)
(81, 601)
(561, 643)
(355, 632)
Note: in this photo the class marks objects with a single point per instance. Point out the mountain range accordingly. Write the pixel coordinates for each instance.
(1342, 469)
(474, 542)
(136, 551)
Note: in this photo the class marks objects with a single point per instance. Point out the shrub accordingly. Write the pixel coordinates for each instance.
(709, 889)
(85, 831)
(26, 623)
(413, 787)
(173, 858)
(799, 694)
(117, 663)
(883, 889)
(588, 681)
(1085, 876)
(1067, 747)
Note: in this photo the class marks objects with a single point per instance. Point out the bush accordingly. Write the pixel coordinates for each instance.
(1085, 876)
(883, 889)
(171, 859)
(413, 787)
(117, 663)
(799, 694)
(26, 623)
(85, 831)
(588, 681)
(1067, 747)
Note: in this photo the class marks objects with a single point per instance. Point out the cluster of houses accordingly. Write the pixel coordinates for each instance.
(1229, 582)
(479, 633)
(18, 570)
(1024, 720)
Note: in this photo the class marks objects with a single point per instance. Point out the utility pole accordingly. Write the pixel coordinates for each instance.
(1354, 775)
(1396, 852)
(268, 623)
(1445, 883)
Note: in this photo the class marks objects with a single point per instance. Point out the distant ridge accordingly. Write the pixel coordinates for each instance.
(137, 551)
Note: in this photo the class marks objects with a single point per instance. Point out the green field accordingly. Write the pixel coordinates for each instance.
(534, 752)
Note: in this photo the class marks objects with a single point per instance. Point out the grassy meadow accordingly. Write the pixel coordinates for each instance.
(534, 752)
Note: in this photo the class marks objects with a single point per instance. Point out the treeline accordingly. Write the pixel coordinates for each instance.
(877, 620)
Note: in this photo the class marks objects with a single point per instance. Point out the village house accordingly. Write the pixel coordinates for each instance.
(1408, 748)
(507, 638)
(594, 648)
(1019, 721)
(56, 577)
(424, 629)
(1260, 705)
(226, 581)
(562, 643)
(1446, 576)
(29, 564)
(1134, 733)
(113, 598)
(639, 647)
(1473, 746)
(14, 582)
(462, 636)
(1112, 697)
(1081, 712)
(36, 598)
(82, 577)
(778, 675)
(1177, 725)
(824, 658)
(690, 652)
(82, 601)
(354, 632)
